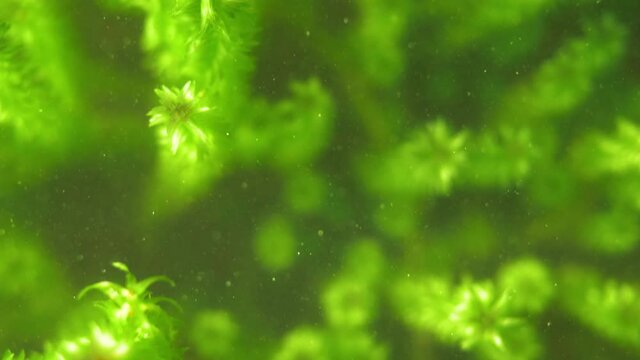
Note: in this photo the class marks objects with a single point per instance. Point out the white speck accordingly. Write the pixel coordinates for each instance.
(345, 20)
(321, 233)
(227, 283)
(308, 33)
(273, 279)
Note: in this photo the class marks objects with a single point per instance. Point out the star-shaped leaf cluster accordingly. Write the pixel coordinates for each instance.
(175, 116)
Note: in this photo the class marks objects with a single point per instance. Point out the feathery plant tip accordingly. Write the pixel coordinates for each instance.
(176, 115)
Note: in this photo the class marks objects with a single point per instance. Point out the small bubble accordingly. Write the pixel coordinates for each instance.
(321, 233)
(273, 279)
(227, 283)
(345, 20)
(199, 277)
(308, 33)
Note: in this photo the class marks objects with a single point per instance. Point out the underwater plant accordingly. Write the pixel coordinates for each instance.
(322, 179)
(129, 324)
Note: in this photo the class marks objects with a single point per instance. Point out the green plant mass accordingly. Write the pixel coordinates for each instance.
(319, 179)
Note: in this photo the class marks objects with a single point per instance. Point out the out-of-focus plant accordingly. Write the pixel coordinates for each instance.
(428, 163)
(215, 335)
(484, 317)
(32, 283)
(616, 301)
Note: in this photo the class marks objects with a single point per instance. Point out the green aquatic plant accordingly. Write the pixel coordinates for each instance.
(175, 117)
(617, 303)
(31, 282)
(302, 343)
(480, 316)
(275, 244)
(426, 164)
(334, 180)
(215, 334)
(129, 324)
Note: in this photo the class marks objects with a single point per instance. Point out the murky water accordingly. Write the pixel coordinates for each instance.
(361, 179)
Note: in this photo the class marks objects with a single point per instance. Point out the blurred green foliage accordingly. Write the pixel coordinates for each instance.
(214, 334)
(339, 179)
